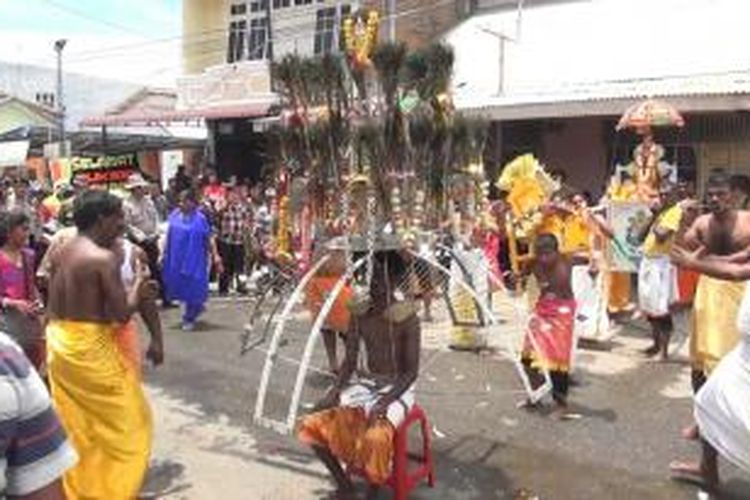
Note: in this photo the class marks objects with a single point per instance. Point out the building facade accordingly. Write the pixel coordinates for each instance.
(228, 47)
(84, 95)
(551, 88)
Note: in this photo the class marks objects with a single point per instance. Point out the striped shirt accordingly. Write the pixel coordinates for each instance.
(35, 450)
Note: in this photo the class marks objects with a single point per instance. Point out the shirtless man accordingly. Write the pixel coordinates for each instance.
(147, 307)
(85, 261)
(724, 233)
(552, 322)
(358, 416)
(100, 399)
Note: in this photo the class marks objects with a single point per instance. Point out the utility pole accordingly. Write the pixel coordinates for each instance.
(391, 20)
(502, 39)
(59, 46)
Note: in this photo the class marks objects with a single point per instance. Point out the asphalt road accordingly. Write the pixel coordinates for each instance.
(483, 445)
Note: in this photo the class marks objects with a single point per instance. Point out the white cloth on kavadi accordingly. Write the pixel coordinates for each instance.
(365, 393)
(592, 322)
(657, 285)
(722, 406)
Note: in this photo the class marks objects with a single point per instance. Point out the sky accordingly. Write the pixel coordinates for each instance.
(134, 40)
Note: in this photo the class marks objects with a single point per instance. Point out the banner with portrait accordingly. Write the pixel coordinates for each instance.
(626, 219)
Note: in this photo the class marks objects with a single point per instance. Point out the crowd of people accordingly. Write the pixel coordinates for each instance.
(691, 253)
(76, 265)
(75, 272)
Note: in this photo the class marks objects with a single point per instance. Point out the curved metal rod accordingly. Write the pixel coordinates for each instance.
(265, 293)
(510, 351)
(274, 347)
(313, 339)
(248, 346)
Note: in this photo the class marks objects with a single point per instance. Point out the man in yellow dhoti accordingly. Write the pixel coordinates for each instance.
(96, 392)
(725, 232)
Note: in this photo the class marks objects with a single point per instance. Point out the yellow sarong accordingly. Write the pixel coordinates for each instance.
(714, 331)
(98, 396)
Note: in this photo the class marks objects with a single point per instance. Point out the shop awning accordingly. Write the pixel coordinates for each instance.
(248, 110)
(95, 143)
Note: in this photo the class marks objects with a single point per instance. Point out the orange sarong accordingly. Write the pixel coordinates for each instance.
(345, 431)
(687, 282)
(129, 343)
(619, 292)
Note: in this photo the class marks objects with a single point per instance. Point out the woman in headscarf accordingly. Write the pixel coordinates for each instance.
(188, 247)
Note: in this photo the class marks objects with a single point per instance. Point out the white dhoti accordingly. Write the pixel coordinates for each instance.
(657, 285)
(592, 322)
(722, 406)
(365, 393)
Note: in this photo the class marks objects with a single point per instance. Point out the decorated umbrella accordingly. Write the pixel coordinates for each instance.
(650, 113)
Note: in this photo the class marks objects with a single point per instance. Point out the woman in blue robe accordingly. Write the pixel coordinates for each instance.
(185, 267)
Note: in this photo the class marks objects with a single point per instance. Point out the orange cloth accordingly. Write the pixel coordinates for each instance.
(339, 315)
(619, 291)
(346, 433)
(687, 282)
(128, 342)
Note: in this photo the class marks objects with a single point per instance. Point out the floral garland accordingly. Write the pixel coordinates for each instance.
(360, 40)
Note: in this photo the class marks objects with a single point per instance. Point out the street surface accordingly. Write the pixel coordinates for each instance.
(484, 447)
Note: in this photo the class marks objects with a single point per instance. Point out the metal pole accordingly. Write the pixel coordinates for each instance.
(501, 76)
(392, 20)
(59, 46)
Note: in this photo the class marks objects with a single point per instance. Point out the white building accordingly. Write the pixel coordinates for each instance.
(566, 70)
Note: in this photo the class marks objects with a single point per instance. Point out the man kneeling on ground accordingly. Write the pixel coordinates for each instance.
(358, 417)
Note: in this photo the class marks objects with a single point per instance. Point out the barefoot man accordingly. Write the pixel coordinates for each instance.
(553, 320)
(724, 232)
(95, 390)
(657, 281)
(725, 235)
(722, 405)
(359, 415)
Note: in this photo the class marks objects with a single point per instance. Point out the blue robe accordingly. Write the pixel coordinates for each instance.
(185, 264)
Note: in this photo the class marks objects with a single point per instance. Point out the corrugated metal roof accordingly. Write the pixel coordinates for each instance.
(216, 112)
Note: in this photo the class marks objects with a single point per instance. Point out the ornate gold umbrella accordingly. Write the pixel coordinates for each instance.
(650, 113)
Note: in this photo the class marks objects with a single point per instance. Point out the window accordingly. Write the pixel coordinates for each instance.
(280, 4)
(237, 34)
(326, 28)
(259, 6)
(238, 9)
(256, 47)
(45, 99)
(302, 2)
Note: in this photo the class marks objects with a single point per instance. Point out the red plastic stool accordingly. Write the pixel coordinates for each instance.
(403, 480)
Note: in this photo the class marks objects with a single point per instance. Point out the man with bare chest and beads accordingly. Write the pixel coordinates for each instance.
(549, 340)
(357, 419)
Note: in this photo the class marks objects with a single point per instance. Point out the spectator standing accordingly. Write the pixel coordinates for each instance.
(188, 245)
(172, 195)
(235, 221)
(214, 191)
(160, 202)
(19, 298)
(182, 180)
(35, 450)
(142, 220)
